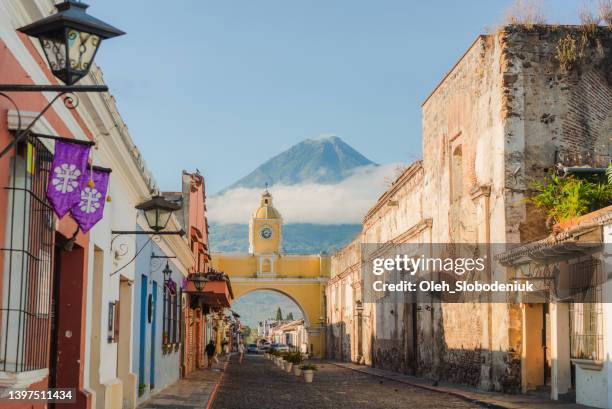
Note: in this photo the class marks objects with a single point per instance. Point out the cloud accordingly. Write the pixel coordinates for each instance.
(344, 202)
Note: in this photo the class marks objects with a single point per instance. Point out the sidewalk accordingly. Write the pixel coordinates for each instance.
(196, 391)
(491, 399)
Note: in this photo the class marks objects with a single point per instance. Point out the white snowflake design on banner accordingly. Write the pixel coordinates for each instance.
(66, 178)
(90, 200)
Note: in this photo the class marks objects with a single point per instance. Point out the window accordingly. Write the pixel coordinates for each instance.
(28, 253)
(586, 322)
(174, 320)
(172, 312)
(586, 317)
(457, 174)
(113, 322)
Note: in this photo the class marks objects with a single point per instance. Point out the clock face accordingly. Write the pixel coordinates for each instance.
(265, 233)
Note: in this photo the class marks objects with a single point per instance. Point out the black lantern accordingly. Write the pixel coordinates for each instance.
(167, 272)
(70, 39)
(198, 279)
(157, 212)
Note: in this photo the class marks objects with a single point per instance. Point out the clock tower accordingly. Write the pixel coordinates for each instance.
(265, 228)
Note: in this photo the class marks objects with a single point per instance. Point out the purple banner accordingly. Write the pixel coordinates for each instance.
(68, 176)
(90, 209)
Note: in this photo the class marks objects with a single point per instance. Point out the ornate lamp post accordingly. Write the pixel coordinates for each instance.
(70, 40)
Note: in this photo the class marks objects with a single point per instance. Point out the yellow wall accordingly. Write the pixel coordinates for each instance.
(235, 265)
(245, 265)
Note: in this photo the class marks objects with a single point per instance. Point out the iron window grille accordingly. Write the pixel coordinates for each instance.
(27, 261)
(165, 324)
(172, 305)
(173, 319)
(586, 310)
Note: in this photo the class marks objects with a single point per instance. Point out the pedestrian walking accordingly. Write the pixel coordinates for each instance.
(210, 352)
(241, 351)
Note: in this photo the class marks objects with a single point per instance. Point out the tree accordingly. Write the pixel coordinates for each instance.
(279, 314)
(289, 317)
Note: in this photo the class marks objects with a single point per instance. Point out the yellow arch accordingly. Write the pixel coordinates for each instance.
(309, 296)
(302, 278)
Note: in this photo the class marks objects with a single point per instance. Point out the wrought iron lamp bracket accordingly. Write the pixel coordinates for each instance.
(156, 261)
(67, 93)
(153, 236)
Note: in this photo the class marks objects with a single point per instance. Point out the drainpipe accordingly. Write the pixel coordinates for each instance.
(564, 171)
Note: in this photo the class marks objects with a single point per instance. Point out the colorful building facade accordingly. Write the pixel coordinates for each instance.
(90, 311)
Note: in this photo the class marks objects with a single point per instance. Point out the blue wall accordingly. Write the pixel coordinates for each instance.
(166, 366)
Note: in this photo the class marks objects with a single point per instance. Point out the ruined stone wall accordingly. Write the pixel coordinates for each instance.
(553, 113)
(397, 217)
(500, 119)
(341, 296)
(463, 152)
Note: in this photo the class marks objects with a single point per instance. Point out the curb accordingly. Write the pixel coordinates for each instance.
(430, 388)
(213, 394)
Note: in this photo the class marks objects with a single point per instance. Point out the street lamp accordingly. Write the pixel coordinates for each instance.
(70, 39)
(157, 212)
(198, 279)
(167, 272)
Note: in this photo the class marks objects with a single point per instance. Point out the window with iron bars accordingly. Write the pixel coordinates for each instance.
(27, 261)
(586, 310)
(172, 306)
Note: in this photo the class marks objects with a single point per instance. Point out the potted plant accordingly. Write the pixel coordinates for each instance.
(308, 370)
(296, 359)
(142, 389)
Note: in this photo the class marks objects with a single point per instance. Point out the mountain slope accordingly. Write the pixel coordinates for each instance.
(324, 160)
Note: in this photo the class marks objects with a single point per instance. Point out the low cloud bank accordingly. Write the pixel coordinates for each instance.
(342, 203)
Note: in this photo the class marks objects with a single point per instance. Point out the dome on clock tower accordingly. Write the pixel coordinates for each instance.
(265, 209)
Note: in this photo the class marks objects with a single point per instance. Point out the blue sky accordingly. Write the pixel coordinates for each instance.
(224, 85)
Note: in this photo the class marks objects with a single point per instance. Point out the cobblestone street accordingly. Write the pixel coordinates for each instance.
(258, 383)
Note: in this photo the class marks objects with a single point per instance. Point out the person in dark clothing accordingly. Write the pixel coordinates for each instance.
(210, 352)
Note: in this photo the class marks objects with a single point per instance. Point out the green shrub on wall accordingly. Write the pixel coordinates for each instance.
(570, 197)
